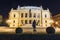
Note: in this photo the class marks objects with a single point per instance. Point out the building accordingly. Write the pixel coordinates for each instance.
(25, 15)
(56, 19)
(1, 19)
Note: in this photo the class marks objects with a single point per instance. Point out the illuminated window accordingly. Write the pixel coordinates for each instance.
(25, 14)
(30, 21)
(25, 21)
(21, 14)
(35, 15)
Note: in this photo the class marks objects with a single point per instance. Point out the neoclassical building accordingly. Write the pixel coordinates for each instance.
(24, 16)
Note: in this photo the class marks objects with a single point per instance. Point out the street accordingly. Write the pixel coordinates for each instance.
(27, 30)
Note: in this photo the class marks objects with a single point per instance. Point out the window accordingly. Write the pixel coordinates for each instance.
(38, 22)
(14, 21)
(22, 21)
(30, 21)
(25, 21)
(38, 15)
(46, 24)
(45, 21)
(30, 15)
(34, 15)
(21, 14)
(45, 15)
(13, 25)
(14, 15)
(25, 14)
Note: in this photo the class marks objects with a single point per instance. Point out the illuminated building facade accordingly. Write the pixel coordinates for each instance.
(27, 14)
(56, 19)
(1, 19)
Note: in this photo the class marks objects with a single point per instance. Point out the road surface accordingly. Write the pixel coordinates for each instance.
(27, 30)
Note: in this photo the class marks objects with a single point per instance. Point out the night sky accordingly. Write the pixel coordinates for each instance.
(6, 5)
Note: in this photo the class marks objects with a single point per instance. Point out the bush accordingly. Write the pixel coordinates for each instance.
(50, 30)
(19, 30)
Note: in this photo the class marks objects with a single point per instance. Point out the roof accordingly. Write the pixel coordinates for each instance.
(30, 7)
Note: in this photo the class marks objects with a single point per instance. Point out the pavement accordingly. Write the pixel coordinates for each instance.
(28, 30)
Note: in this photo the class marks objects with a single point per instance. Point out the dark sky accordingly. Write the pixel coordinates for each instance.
(6, 5)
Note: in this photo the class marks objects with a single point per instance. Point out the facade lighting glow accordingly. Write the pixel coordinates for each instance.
(26, 14)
